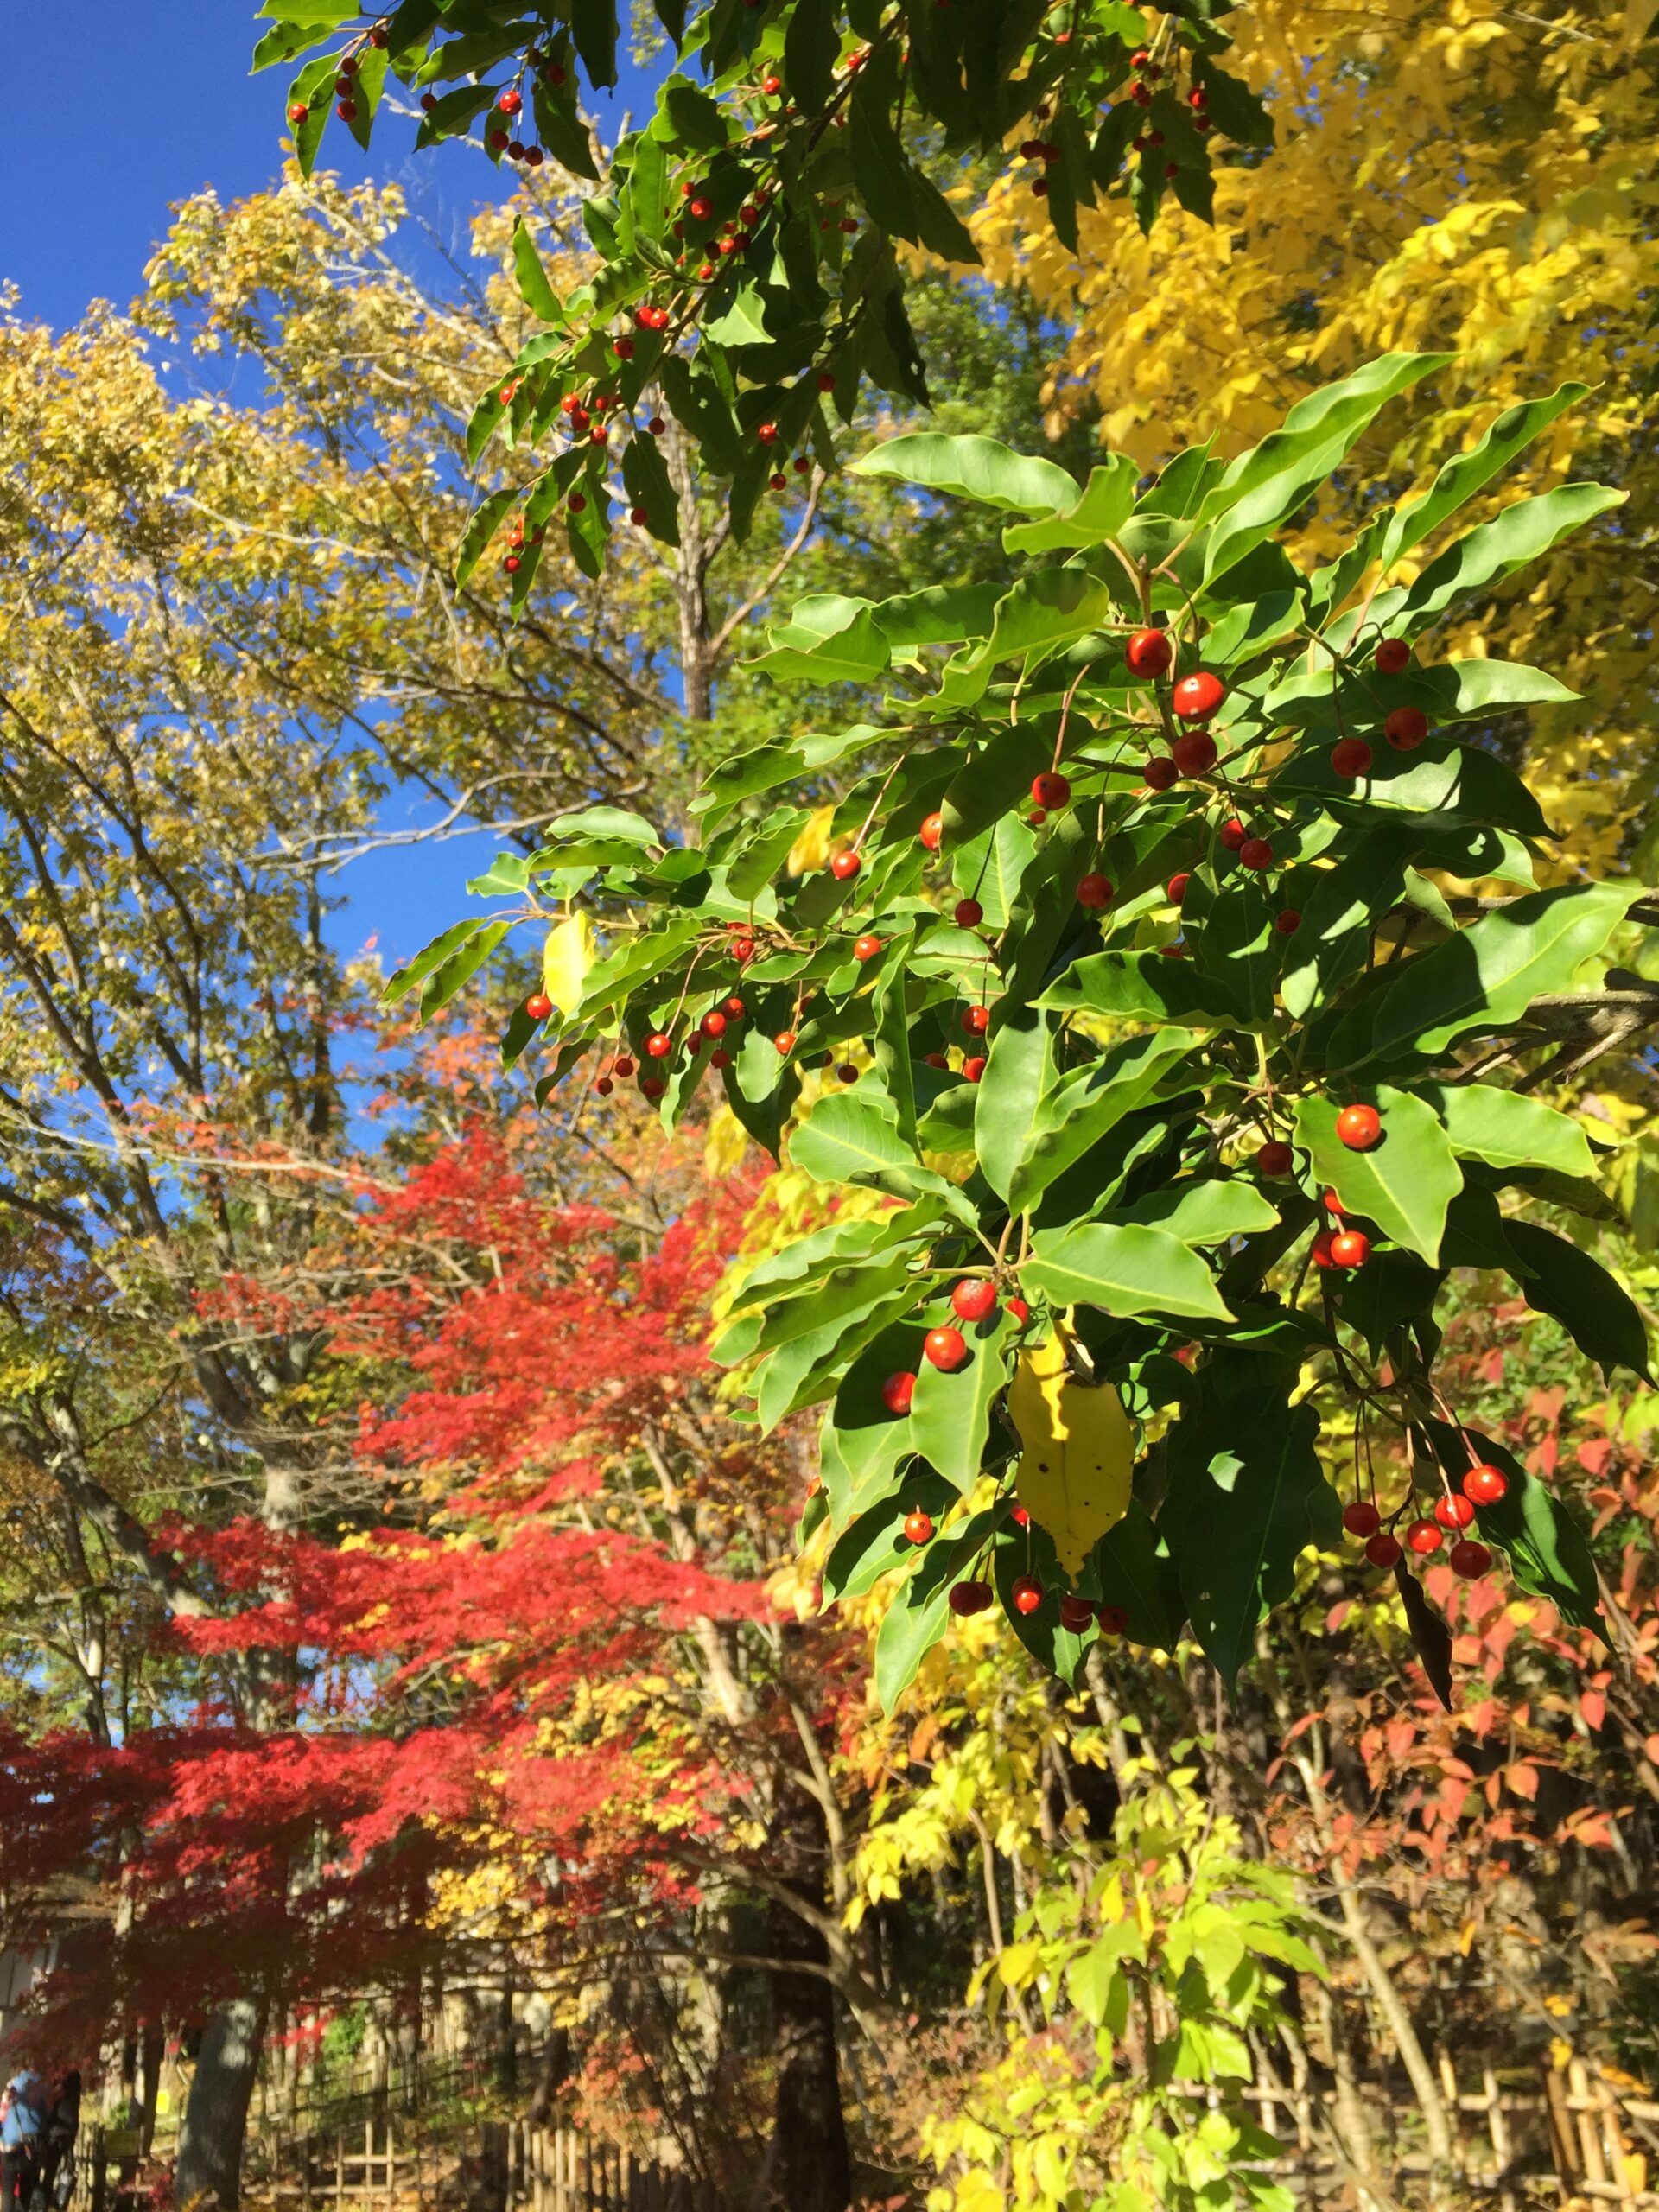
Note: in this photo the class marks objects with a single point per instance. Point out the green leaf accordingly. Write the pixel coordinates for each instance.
(850, 1140)
(1486, 976)
(1128, 1568)
(534, 286)
(648, 484)
(1208, 1211)
(1506, 1129)
(811, 46)
(1594, 1308)
(874, 1542)
(1465, 473)
(1392, 1287)
(995, 780)
(975, 468)
(854, 653)
(1498, 548)
(1404, 1184)
(1097, 513)
(488, 517)
(458, 969)
(1264, 487)
(1461, 786)
(400, 984)
(949, 1414)
(1082, 1106)
(1018, 1069)
(1124, 1269)
(938, 615)
(1145, 987)
(1248, 1507)
(595, 821)
(911, 1625)
(1343, 907)
(593, 25)
(1549, 1554)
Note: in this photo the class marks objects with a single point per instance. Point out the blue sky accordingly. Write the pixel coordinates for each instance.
(123, 109)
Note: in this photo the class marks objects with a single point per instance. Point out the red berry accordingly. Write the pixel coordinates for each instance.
(510, 102)
(1359, 1128)
(656, 426)
(1050, 791)
(1026, 1594)
(498, 141)
(1233, 833)
(1020, 1312)
(1019, 1517)
(1469, 1559)
(1392, 655)
(604, 1086)
(1176, 886)
(721, 1059)
(429, 101)
(347, 111)
(1113, 1619)
(1036, 817)
(919, 1527)
(1039, 187)
(844, 867)
(847, 1073)
(826, 382)
(771, 84)
(1197, 97)
(298, 113)
(1159, 773)
(658, 1045)
(897, 1392)
(512, 564)
(974, 1069)
(1149, 652)
(1288, 923)
(975, 1020)
(1384, 1550)
(713, 1023)
(1076, 1613)
(1275, 1158)
(1423, 1537)
(1405, 729)
(652, 1086)
(785, 1040)
(1196, 698)
(1485, 1485)
(1332, 1204)
(768, 432)
(1255, 851)
(638, 515)
(1453, 1511)
(736, 1010)
(970, 914)
(538, 1006)
(1194, 753)
(1321, 1249)
(577, 502)
(1095, 892)
(866, 948)
(934, 1061)
(971, 1597)
(974, 1298)
(741, 950)
(700, 211)
(622, 1066)
(945, 1349)
(1349, 1247)
(1351, 757)
(932, 831)
(1361, 1518)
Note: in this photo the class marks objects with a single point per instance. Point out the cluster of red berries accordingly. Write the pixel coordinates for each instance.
(513, 561)
(1046, 153)
(1483, 1485)
(1340, 1247)
(974, 1299)
(975, 1596)
(1405, 727)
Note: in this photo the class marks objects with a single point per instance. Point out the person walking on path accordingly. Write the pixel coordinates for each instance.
(21, 2113)
(57, 2142)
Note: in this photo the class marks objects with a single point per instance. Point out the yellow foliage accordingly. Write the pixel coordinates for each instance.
(1468, 178)
(812, 848)
(1078, 1451)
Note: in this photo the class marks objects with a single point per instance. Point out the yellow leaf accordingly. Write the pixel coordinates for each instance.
(1078, 1451)
(811, 848)
(727, 1142)
(566, 958)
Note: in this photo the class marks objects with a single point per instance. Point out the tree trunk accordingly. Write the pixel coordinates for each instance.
(209, 2171)
(810, 2171)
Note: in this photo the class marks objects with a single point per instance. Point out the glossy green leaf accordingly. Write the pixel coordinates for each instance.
(1592, 1305)
(1507, 1129)
(1404, 1184)
(973, 468)
(1488, 975)
(1018, 1070)
(1097, 512)
(1124, 1269)
(911, 1625)
(951, 1415)
(1080, 1109)
(1207, 1210)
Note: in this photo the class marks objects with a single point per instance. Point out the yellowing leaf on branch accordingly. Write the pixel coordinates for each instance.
(811, 849)
(566, 958)
(1077, 1450)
